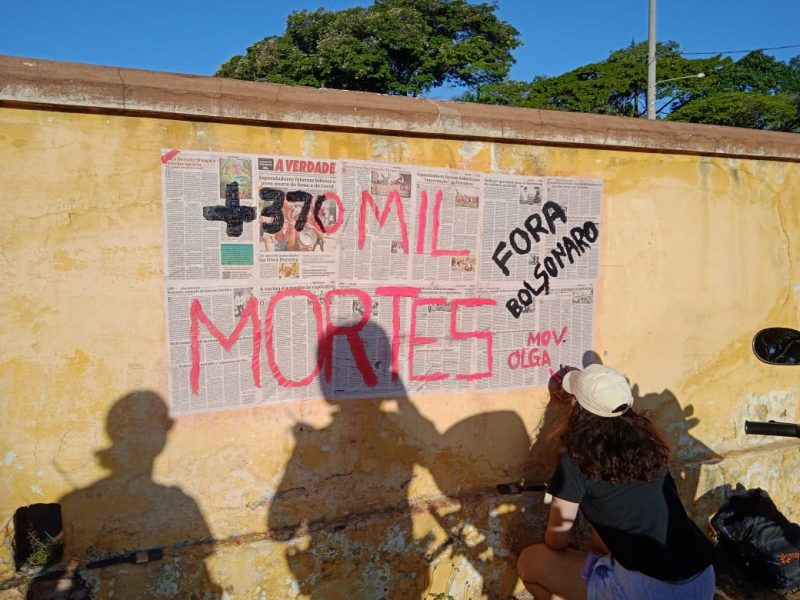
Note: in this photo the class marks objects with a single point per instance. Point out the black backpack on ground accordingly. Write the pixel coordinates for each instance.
(752, 531)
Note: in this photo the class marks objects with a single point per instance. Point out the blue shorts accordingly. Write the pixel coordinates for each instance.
(609, 580)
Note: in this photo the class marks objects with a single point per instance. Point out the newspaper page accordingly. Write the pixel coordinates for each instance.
(434, 358)
(508, 201)
(201, 190)
(547, 222)
(360, 306)
(557, 329)
(293, 322)
(299, 213)
(580, 202)
(446, 230)
(223, 378)
(375, 242)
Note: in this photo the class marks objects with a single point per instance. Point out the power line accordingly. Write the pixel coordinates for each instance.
(740, 51)
(666, 54)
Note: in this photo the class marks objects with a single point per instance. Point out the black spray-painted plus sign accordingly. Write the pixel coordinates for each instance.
(232, 213)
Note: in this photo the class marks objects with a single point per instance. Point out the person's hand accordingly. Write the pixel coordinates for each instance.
(555, 385)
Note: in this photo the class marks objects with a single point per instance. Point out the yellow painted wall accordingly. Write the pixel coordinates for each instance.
(697, 254)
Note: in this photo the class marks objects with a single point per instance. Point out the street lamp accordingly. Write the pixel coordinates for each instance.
(695, 76)
(651, 62)
(657, 83)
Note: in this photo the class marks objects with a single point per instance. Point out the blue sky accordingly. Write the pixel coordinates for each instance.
(197, 36)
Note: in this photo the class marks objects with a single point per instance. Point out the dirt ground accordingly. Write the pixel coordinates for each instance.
(732, 584)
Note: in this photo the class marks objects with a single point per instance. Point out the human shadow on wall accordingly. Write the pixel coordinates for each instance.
(128, 512)
(343, 503)
(491, 529)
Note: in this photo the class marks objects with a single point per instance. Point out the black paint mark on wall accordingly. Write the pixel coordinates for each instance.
(305, 199)
(536, 227)
(520, 239)
(232, 213)
(273, 209)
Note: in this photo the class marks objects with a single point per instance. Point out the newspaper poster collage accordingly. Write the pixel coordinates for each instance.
(452, 280)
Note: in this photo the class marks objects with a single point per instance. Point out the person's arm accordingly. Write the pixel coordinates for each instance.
(562, 517)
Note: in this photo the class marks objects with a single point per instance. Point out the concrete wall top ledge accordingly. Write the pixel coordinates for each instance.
(33, 83)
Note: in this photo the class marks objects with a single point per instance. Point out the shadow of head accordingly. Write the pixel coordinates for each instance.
(359, 361)
(675, 422)
(137, 426)
(672, 419)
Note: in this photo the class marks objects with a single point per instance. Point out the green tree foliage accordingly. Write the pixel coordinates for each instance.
(615, 86)
(393, 46)
(757, 91)
(759, 72)
(741, 109)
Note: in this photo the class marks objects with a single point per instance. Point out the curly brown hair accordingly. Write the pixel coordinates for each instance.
(614, 449)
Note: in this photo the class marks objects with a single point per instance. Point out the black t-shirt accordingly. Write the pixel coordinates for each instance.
(643, 523)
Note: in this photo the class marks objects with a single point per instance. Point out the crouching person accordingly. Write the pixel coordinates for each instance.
(614, 470)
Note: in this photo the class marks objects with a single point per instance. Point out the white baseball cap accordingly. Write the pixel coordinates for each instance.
(599, 389)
